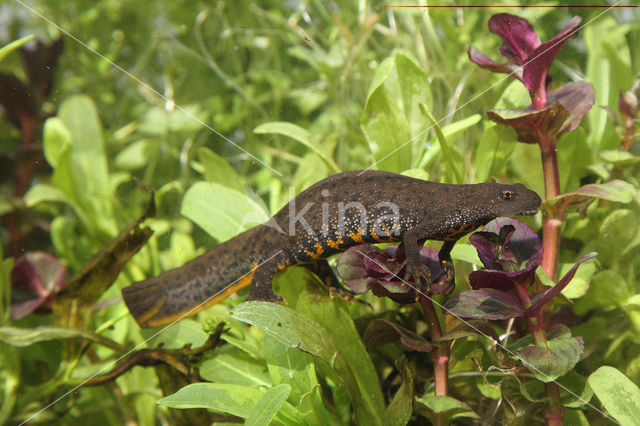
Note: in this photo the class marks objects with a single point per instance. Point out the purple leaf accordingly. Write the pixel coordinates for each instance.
(510, 250)
(485, 304)
(554, 358)
(531, 123)
(541, 299)
(36, 277)
(577, 97)
(519, 39)
(485, 278)
(539, 61)
(484, 61)
(381, 331)
(366, 267)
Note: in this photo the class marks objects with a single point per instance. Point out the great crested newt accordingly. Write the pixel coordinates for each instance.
(332, 215)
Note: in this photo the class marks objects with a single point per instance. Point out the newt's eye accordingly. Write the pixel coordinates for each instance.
(508, 195)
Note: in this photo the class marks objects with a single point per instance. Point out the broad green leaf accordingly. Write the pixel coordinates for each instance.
(268, 406)
(430, 405)
(55, 139)
(135, 155)
(384, 124)
(297, 330)
(42, 192)
(291, 366)
(84, 174)
(222, 397)
(315, 303)
(616, 232)
(552, 359)
(619, 157)
(231, 365)
(400, 409)
(574, 155)
(183, 332)
(415, 89)
(216, 169)
(608, 288)
(222, 212)
(299, 134)
(619, 395)
(28, 336)
(493, 151)
(16, 44)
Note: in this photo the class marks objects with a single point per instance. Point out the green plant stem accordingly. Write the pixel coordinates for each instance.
(439, 357)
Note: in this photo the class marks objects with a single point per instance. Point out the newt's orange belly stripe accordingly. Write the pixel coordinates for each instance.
(219, 297)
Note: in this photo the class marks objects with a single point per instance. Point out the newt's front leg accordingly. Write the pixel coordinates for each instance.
(416, 270)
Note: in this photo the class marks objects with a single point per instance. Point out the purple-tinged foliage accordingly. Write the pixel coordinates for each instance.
(366, 267)
(510, 251)
(530, 59)
(542, 298)
(381, 331)
(36, 277)
(568, 105)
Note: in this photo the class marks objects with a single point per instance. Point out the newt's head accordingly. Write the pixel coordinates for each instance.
(511, 200)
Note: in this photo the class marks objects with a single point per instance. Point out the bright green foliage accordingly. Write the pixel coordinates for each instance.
(226, 110)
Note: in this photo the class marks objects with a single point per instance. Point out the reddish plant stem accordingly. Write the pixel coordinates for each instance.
(440, 356)
(553, 220)
(551, 228)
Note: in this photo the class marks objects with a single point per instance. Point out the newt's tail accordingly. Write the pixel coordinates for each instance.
(204, 281)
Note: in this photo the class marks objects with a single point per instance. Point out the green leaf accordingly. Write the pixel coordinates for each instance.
(450, 132)
(617, 231)
(28, 336)
(299, 134)
(291, 366)
(384, 124)
(400, 408)
(135, 155)
(55, 139)
(222, 397)
(552, 359)
(415, 90)
(444, 145)
(619, 395)
(296, 330)
(83, 174)
(41, 192)
(216, 169)
(222, 212)
(622, 158)
(493, 151)
(430, 405)
(16, 44)
(268, 406)
(231, 365)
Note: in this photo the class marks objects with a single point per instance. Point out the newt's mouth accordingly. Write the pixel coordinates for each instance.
(529, 212)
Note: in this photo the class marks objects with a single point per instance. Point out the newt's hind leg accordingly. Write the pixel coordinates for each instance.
(261, 283)
(323, 271)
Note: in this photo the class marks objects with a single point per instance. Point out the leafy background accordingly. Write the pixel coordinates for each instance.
(305, 89)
